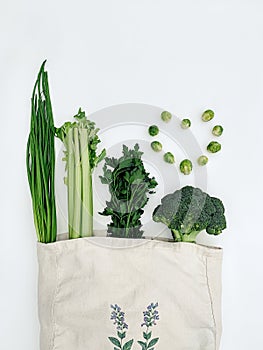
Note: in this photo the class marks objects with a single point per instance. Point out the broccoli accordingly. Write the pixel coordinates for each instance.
(189, 211)
(166, 116)
(185, 123)
(153, 130)
(186, 166)
(217, 130)
(156, 146)
(208, 115)
(169, 157)
(214, 147)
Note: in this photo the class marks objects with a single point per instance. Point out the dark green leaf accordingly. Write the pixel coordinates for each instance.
(143, 345)
(115, 341)
(147, 336)
(153, 342)
(128, 345)
(122, 335)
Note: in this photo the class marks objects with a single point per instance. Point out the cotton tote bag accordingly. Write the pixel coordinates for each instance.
(102, 293)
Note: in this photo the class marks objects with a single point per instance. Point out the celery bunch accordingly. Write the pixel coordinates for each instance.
(80, 140)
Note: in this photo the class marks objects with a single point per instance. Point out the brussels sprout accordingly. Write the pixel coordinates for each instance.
(208, 115)
(169, 157)
(217, 130)
(153, 130)
(202, 160)
(186, 166)
(214, 147)
(156, 146)
(186, 123)
(166, 116)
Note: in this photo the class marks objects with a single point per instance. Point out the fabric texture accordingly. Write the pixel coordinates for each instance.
(79, 279)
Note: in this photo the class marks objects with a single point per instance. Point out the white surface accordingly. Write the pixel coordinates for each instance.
(182, 56)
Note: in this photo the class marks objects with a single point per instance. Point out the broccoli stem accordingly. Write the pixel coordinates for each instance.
(191, 237)
(176, 235)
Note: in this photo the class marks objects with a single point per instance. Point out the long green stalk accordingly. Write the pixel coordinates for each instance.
(40, 160)
(87, 195)
(80, 140)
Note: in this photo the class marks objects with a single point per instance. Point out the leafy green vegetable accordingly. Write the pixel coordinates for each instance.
(208, 115)
(189, 211)
(186, 166)
(185, 123)
(40, 160)
(202, 160)
(214, 147)
(153, 130)
(80, 140)
(169, 157)
(217, 130)
(129, 186)
(156, 146)
(166, 116)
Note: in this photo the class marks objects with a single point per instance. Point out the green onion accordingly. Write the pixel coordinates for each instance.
(40, 160)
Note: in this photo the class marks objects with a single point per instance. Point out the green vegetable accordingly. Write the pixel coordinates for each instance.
(217, 130)
(214, 147)
(40, 160)
(166, 116)
(208, 115)
(202, 160)
(169, 157)
(188, 211)
(80, 140)
(129, 186)
(186, 166)
(153, 130)
(186, 123)
(156, 146)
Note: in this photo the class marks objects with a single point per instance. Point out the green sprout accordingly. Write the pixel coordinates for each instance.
(153, 130)
(214, 147)
(166, 116)
(169, 158)
(202, 160)
(186, 166)
(185, 123)
(217, 130)
(156, 146)
(208, 115)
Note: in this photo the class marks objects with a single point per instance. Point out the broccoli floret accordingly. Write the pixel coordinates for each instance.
(218, 221)
(188, 211)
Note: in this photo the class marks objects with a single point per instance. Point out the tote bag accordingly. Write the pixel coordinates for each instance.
(102, 293)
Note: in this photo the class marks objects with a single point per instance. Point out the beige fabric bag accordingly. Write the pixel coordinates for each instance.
(79, 280)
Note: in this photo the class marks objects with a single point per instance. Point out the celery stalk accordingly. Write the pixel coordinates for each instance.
(87, 195)
(80, 140)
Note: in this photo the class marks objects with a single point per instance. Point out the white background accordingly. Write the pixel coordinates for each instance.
(184, 56)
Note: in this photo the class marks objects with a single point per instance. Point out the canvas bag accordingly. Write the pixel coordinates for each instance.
(79, 279)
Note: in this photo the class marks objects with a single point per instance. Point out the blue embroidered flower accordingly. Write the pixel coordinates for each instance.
(118, 317)
(151, 315)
